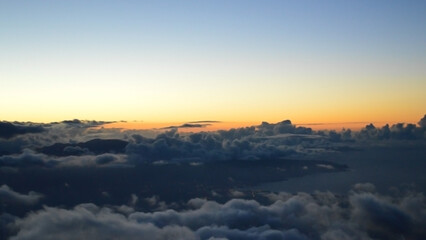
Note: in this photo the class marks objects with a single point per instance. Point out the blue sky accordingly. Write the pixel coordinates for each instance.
(185, 59)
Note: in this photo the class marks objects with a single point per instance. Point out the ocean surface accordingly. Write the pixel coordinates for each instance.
(402, 169)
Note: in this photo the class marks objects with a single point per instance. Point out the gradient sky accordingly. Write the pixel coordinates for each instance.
(240, 61)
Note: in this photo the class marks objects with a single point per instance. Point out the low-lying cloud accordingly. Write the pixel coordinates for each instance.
(322, 215)
(9, 130)
(87, 175)
(8, 196)
(265, 141)
(30, 158)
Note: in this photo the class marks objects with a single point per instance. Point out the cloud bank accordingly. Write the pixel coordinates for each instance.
(323, 215)
(9, 130)
(109, 183)
(282, 140)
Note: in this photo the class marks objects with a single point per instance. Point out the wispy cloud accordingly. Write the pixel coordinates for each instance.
(9, 196)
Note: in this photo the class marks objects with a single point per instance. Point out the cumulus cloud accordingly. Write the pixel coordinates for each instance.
(267, 141)
(62, 148)
(380, 218)
(52, 133)
(264, 232)
(26, 159)
(88, 221)
(321, 215)
(264, 141)
(8, 196)
(234, 144)
(76, 137)
(397, 131)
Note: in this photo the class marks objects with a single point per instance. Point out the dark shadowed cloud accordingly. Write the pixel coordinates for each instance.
(8, 196)
(188, 125)
(267, 141)
(137, 183)
(206, 121)
(8, 130)
(29, 159)
(88, 221)
(94, 146)
(322, 215)
(26, 159)
(264, 141)
(422, 122)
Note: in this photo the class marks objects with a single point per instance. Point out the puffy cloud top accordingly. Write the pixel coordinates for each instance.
(322, 215)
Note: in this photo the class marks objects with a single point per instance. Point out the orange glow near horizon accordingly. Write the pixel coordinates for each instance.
(209, 127)
(315, 118)
(215, 126)
(255, 67)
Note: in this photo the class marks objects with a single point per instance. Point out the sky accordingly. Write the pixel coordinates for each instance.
(235, 61)
(212, 120)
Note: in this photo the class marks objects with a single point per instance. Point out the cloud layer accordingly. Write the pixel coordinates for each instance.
(8, 130)
(265, 141)
(322, 215)
(101, 183)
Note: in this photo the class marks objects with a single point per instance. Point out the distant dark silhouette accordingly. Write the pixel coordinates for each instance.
(95, 146)
(9, 130)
